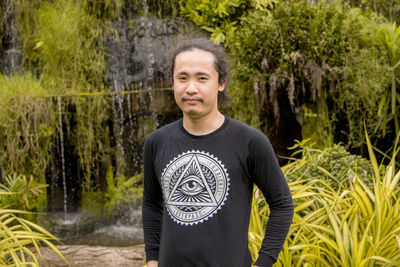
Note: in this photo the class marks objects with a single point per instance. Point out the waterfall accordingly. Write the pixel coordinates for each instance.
(136, 60)
(12, 56)
(62, 156)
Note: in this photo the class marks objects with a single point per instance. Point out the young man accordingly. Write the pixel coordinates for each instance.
(199, 174)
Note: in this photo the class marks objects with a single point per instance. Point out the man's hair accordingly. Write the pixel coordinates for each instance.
(220, 62)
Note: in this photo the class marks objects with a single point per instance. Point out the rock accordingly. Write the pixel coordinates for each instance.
(96, 256)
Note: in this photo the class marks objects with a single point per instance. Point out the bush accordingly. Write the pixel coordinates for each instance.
(23, 193)
(20, 238)
(353, 225)
(333, 165)
(122, 193)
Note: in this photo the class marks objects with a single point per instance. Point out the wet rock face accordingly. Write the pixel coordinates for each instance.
(10, 53)
(137, 61)
(138, 52)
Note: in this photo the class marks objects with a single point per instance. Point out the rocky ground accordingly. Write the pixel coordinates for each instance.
(96, 256)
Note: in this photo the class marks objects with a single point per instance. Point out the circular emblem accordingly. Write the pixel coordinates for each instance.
(195, 185)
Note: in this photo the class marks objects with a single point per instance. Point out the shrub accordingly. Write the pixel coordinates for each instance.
(20, 238)
(353, 225)
(334, 165)
(23, 193)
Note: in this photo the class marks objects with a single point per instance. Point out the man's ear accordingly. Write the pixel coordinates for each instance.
(221, 86)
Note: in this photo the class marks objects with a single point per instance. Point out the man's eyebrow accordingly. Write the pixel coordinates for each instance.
(182, 73)
(202, 74)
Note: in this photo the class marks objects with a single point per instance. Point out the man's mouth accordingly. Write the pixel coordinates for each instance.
(192, 99)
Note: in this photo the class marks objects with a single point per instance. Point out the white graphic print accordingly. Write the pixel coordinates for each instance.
(195, 186)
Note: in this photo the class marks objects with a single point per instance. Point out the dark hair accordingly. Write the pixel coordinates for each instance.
(220, 63)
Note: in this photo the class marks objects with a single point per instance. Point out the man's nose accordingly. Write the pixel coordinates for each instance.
(191, 88)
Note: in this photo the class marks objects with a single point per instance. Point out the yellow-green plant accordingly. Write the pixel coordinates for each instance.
(22, 191)
(352, 225)
(20, 239)
(220, 17)
(121, 192)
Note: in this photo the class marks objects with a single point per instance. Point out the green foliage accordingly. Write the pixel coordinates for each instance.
(333, 165)
(298, 53)
(20, 238)
(93, 204)
(65, 45)
(316, 124)
(122, 193)
(353, 225)
(103, 9)
(308, 53)
(24, 193)
(389, 35)
(388, 8)
(27, 125)
(64, 41)
(220, 17)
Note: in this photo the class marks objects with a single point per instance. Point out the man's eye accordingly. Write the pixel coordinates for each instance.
(181, 78)
(203, 78)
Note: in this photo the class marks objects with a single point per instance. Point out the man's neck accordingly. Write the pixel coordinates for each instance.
(204, 125)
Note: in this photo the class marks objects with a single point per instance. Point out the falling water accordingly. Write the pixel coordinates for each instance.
(12, 57)
(62, 156)
(145, 7)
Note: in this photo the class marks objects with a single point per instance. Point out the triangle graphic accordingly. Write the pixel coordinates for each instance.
(205, 199)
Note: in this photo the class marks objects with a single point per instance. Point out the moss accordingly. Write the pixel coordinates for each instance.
(64, 42)
(146, 125)
(92, 204)
(27, 125)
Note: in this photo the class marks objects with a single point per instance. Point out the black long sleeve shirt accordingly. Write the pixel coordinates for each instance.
(198, 192)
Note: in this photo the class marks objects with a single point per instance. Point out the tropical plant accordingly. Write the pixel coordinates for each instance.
(20, 240)
(24, 193)
(302, 58)
(332, 165)
(353, 225)
(389, 35)
(121, 192)
(220, 18)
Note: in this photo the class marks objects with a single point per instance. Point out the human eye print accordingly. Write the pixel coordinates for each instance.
(191, 186)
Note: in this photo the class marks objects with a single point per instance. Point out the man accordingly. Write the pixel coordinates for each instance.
(199, 173)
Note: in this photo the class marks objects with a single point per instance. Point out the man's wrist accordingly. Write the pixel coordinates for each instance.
(264, 261)
(151, 254)
(152, 264)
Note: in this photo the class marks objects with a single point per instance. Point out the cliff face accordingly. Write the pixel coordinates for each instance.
(102, 64)
(10, 42)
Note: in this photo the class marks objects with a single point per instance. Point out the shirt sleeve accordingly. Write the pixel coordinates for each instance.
(152, 208)
(270, 180)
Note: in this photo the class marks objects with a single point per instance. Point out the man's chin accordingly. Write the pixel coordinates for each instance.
(194, 114)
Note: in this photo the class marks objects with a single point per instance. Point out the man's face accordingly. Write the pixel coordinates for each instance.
(195, 83)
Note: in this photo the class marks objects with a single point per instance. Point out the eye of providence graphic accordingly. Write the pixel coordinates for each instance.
(195, 186)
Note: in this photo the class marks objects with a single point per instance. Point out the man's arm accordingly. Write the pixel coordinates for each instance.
(152, 208)
(269, 178)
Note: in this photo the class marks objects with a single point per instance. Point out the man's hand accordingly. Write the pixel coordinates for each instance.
(152, 264)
